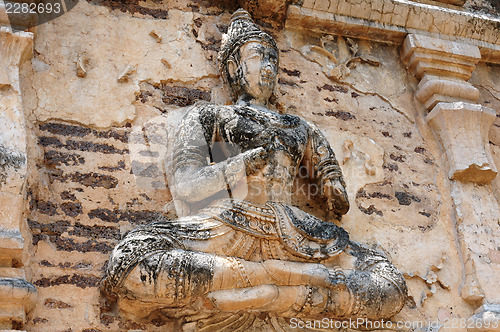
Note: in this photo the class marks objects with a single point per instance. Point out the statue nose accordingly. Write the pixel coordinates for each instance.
(268, 68)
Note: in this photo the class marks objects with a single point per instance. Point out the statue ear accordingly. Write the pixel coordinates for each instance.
(231, 68)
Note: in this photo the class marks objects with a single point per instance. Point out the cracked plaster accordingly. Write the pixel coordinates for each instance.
(111, 42)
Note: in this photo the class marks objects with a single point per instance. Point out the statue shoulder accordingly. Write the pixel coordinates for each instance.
(312, 127)
(205, 117)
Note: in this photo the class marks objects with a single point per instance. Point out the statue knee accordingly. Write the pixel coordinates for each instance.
(392, 290)
(378, 291)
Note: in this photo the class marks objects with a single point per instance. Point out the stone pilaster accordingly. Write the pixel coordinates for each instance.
(16, 294)
(462, 125)
(443, 68)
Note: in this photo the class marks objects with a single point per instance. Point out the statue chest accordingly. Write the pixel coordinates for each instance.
(277, 133)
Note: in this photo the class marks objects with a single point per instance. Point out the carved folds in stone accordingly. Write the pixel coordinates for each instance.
(443, 68)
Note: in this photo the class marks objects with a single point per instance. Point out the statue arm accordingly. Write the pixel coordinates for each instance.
(325, 170)
(197, 182)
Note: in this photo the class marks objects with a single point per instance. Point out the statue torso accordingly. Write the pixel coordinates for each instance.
(283, 136)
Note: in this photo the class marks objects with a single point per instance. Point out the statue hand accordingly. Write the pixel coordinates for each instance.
(243, 164)
(335, 193)
(255, 159)
(336, 276)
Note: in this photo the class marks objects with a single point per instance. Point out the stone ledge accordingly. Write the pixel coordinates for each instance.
(17, 296)
(451, 2)
(10, 272)
(458, 51)
(391, 20)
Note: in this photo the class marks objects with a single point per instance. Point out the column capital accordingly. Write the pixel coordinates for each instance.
(15, 48)
(463, 129)
(443, 69)
(431, 56)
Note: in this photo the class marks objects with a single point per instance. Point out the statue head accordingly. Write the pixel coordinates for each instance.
(248, 59)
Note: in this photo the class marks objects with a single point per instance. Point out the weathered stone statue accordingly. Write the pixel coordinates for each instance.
(251, 252)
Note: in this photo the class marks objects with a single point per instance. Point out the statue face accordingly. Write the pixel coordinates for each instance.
(259, 69)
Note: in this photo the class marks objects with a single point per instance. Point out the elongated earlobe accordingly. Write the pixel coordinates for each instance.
(235, 75)
(231, 69)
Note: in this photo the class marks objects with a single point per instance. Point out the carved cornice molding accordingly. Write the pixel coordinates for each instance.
(431, 56)
(443, 68)
(392, 20)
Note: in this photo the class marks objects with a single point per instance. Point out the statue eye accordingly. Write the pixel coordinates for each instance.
(256, 55)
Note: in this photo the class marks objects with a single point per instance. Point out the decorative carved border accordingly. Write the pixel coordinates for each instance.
(392, 20)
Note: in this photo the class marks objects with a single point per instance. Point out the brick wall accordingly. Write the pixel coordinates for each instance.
(83, 197)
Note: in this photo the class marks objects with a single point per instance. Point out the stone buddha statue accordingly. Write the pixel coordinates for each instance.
(248, 251)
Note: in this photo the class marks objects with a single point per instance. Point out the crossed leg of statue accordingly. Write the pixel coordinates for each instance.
(371, 288)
